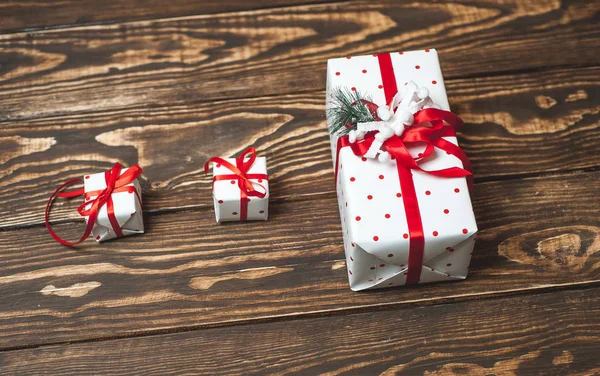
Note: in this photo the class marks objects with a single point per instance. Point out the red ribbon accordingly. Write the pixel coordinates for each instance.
(443, 124)
(386, 68)
(115, 183)
(240, 173)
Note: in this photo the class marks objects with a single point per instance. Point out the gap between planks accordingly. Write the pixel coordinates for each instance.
(450, 299)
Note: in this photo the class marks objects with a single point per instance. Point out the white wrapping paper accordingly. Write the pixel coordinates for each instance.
(370, 200)
(127, 209)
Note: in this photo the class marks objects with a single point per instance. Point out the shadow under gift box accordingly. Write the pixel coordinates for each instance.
(372, 208)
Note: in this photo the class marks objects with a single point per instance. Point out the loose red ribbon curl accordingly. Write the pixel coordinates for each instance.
(115, 183)
(240, 173)
(429, 126)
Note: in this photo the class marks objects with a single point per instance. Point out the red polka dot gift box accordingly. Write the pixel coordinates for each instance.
(112, 204)
(402, 180)
(240, 187)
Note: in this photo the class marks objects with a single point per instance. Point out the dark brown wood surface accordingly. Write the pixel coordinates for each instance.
(216, 275)
(282, 51)
(549, 333)
(31, 14)
(169, 86)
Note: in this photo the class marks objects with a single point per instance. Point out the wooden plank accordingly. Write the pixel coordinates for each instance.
(29, 14)
(536, 233)
(552, 333)
(516, 124)
(276, 51)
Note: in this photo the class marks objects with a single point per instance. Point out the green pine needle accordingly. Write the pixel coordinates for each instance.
(345, 109)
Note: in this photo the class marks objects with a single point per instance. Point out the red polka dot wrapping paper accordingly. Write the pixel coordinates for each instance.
(127, 209)
(226, 195)
(374, 223)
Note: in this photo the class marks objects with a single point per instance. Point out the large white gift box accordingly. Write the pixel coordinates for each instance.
(397, 231)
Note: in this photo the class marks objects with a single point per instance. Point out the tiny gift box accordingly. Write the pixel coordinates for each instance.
(402, 181)
(240, 187)
(112, 206)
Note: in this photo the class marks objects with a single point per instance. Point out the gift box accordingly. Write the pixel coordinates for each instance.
(121, 218)
(240, 187)
(402, 181)
(112, 204)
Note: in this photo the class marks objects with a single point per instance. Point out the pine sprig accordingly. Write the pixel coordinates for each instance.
(346, 108)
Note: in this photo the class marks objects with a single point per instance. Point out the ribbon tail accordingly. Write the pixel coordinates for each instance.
(415, 225)
(454, 150)
(243, 206)
(70, 194)
(110, 209)
(90, 223)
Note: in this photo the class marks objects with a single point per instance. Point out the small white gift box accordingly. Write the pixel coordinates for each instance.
(112, 206)
(240, 188)
(121, 218)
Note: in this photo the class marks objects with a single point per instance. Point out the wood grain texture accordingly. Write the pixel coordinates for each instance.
(278, 51)
(31, 14)
(553, 333)
(507, 134)
(272, 297)
(188, 272)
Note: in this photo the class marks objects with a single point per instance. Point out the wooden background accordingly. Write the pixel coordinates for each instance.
(168, 84)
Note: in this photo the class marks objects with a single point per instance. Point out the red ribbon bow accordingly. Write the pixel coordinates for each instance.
(417, 133)
(115, 183)
(240, 173)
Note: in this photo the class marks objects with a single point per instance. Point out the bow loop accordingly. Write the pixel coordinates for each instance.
(128, 176)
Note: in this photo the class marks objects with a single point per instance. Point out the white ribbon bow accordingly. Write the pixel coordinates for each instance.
(412, 99)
